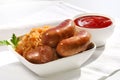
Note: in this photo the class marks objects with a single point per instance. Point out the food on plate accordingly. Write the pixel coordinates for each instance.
(64, 30)
(30, 40)
(75, 44)
(93, 21)
(40, 54)
(45, 44)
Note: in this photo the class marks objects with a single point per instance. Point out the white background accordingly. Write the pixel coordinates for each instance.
(109, 7)
(103, 6)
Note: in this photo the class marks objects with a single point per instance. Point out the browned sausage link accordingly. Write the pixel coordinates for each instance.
(64, 30)
(74, 45)
(41, 54)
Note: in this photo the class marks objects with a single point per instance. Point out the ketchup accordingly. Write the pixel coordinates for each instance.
(93, 21)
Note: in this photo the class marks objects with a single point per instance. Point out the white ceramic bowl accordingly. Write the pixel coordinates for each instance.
(56, 66)
(99, 35)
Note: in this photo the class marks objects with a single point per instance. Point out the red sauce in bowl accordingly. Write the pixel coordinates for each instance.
(93, 21)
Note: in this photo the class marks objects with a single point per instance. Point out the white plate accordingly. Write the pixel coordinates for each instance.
(67, 63)
(63, 64)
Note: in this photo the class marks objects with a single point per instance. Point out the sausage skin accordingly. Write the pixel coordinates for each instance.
(74, 45)
(53, 35)
(41, 54)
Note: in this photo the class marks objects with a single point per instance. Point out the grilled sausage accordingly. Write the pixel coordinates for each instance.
(74, 45)
(41, 54)
(53, 35)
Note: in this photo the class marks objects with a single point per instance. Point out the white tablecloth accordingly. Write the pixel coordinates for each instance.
(103, 64)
